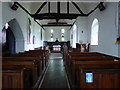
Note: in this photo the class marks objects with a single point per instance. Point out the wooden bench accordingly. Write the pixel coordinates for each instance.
(15, 77)
(31, 54)
(75, 60)
(33, 60)
(81, 54)
(43, 53)
(86, 57)
(46, 54)
(77, 56)
(42, 58)
(37, 59)
(105, 74)
(28, 63)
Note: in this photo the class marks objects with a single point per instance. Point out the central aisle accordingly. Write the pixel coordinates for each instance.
(55, 76)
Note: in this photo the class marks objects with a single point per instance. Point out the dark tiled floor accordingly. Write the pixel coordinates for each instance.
(55, 76)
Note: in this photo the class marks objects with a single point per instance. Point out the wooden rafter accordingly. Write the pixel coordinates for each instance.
(67, 7)
(48, 7)
(22, 8)
(94, 9)
(58, 7)
(41, 7)
(77, 8)
(27, 12)
(38, 23)
(56, 16)
(49, 25)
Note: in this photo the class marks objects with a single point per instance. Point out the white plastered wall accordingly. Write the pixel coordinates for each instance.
(21, 17)
(107, 29)
(57, 33)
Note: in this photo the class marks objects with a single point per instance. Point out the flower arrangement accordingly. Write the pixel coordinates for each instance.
(118, 40)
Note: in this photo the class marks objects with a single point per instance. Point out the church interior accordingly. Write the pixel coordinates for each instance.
(60, 44)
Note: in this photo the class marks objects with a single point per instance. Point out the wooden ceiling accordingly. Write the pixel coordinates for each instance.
(38, 15)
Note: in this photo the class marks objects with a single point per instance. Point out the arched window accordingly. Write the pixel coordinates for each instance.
(62, 34)
(94, 32)
(51, 35)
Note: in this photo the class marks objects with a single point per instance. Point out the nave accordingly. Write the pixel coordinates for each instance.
(70, 69)
(55, 76)
(89, 43)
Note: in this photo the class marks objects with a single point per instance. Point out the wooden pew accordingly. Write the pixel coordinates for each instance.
(106, 74)
(73, 57)
(15, 77)
(81, 54)
(37, 59)
(32, 54)
(77, 56)
(92, 56)
(28, 63)
(86, 57)
(43, 53)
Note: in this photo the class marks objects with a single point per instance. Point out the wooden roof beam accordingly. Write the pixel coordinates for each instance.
(49, 7)
(41, 7)
(23, 8)
(58, 25)
(94, 9)
(77, 8)
(67, 7)
(57, 16)
(58, 7)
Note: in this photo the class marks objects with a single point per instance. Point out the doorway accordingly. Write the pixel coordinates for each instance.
(8, 42)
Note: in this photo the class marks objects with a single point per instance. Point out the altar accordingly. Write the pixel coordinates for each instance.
(57, 46)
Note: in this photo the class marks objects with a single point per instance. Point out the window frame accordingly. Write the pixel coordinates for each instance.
(95, 32)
